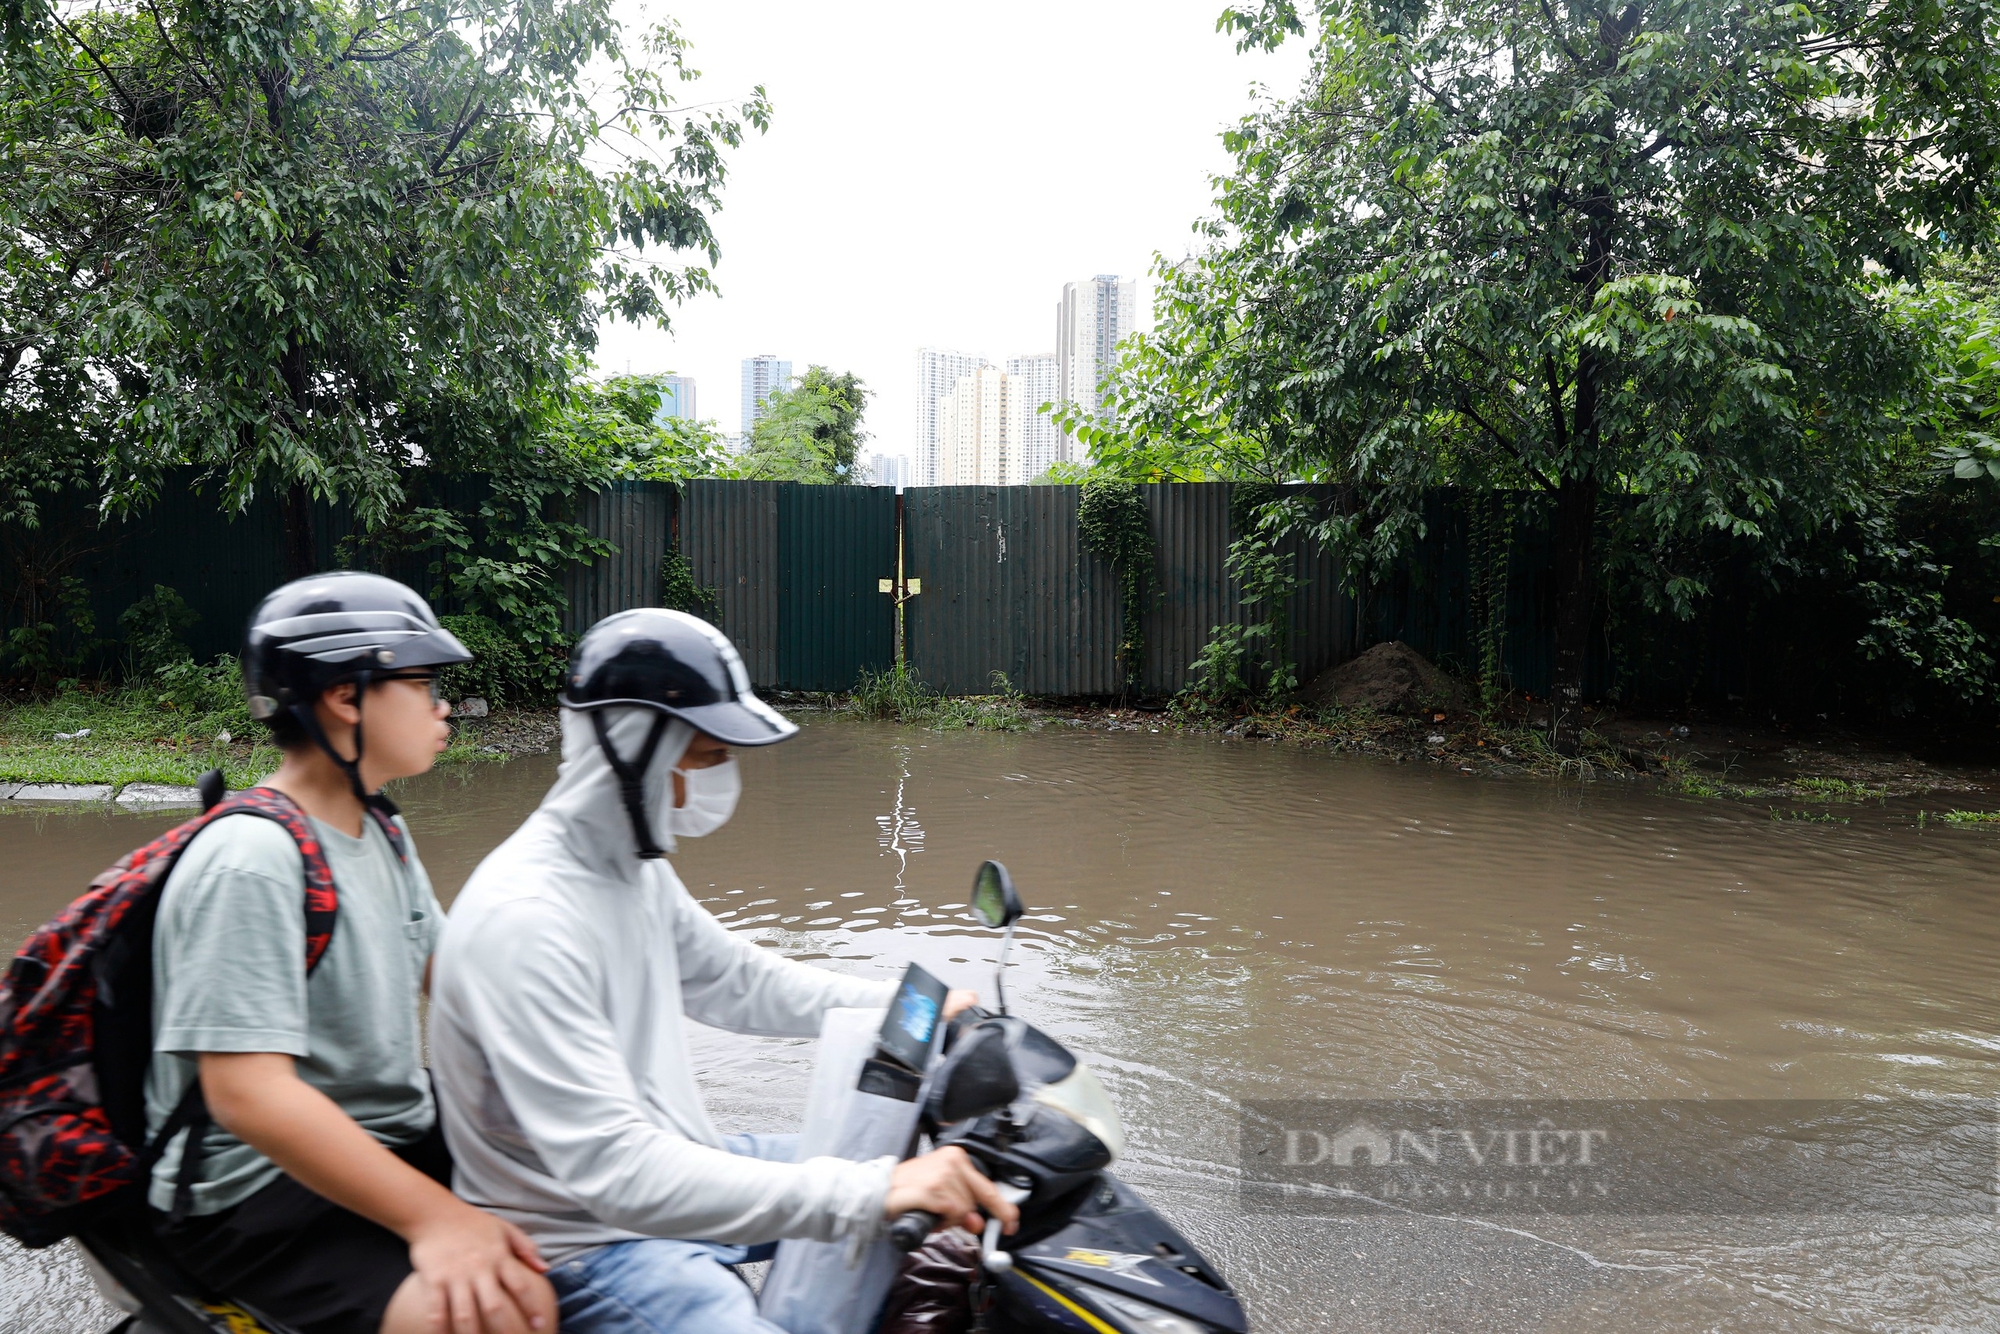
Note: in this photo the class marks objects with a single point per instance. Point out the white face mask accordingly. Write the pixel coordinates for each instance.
(711, 799)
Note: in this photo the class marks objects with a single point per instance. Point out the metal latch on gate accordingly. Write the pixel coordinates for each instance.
(911, 587)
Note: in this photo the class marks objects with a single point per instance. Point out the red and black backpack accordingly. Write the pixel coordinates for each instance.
(76, 1033)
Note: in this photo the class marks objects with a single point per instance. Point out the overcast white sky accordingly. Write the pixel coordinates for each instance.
(935, 173)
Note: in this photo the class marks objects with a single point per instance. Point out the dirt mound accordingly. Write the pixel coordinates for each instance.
(1389, 678)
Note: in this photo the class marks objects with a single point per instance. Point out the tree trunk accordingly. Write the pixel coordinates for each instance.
(301, 550)
(1576, 514)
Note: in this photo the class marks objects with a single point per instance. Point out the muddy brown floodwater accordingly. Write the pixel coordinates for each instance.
(1217, 921)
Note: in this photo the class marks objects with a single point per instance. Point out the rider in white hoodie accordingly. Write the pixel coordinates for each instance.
(564, 1082)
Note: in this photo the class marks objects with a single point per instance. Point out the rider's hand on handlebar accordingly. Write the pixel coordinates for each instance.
(944, 1182)
(956, 1000)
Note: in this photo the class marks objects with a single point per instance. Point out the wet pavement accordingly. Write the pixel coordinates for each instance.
(1218, 921)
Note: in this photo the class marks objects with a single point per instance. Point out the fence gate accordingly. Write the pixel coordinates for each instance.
(835, 546)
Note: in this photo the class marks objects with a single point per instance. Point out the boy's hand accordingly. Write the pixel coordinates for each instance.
(482, 1275)
(944, 1182)
(956, 1000)
(475, 1274)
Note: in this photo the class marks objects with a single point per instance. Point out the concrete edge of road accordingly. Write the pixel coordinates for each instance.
(132, 796)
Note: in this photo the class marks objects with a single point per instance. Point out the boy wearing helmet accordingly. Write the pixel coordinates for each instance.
(312, 1182)
(573, 953)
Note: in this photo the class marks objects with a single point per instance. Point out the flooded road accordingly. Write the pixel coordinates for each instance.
(1214, 922)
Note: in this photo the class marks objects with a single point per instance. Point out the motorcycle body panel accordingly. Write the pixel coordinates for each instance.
(1113, 1240)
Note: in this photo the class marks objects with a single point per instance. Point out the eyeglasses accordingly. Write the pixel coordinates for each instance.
(428, 678)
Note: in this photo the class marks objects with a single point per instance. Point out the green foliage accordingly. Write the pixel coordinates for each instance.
(681, 592)
(616, 429)
(1219, 677)
(1590, 249)
(502, 560)
(212, 692)
(154, 626)
(57, 638)
(896, 695)
(809, 432)
(1908, 622)
(501, 672)
(1223, 675)
(1492, 542)
(1154, 424)
(1111, 518)
(302, 242)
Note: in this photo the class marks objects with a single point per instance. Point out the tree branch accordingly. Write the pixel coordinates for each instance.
(1555, 31)
(102, 68)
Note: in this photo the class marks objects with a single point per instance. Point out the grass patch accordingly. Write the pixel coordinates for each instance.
(1971, 817)
(898, 696)
(1831, 789)
(168, 730)
(1809, 817)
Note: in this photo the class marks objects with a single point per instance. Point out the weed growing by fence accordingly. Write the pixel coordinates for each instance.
(501, 671)
(896, 695)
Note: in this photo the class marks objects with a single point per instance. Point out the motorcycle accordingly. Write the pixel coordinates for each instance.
(1089, 1254)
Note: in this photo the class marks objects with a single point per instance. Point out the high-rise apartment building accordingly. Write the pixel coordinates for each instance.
(938, 372)
(1091, 318)
(972, 432)
(888, 470)
(762, 374)
(1034, 440)
(676, 398)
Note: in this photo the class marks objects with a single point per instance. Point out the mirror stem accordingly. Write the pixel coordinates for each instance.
(1000, 971)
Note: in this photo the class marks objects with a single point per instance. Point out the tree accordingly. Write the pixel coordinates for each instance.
(810, 432)
(304, 243)
(1592, 249)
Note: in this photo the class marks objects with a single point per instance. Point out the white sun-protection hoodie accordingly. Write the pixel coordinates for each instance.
(563, 1076)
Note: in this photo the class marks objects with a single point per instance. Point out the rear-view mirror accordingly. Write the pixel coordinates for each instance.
(993, 896)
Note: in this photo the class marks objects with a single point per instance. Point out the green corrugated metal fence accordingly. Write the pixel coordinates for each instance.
(795, 572)
(1007, 588)
(835, 546)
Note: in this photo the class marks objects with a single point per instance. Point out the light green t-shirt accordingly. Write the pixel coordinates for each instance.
(229, 975)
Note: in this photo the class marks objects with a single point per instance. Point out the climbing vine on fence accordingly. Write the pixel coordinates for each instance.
(1491, 522)
(1112, 518)
(681, 591)
(1266, 574)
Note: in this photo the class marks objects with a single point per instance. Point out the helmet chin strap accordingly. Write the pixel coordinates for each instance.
(632, 778)
(352, 768)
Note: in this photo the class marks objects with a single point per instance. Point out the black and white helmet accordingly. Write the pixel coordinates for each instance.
(676, 664)
(327, 629)
(319, 631)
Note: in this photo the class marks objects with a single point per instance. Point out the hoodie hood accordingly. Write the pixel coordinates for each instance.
(585, 811)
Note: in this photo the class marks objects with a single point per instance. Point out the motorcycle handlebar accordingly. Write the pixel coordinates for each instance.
(908, 1232)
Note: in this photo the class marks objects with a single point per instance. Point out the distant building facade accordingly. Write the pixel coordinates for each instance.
(972, 432)
(888, 470)
(938, 372)
(1091, 318)
(1032, 381)
(677, 399)
(762, 374)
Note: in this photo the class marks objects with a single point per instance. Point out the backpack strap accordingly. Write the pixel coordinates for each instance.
(393, 831)
(322, 905)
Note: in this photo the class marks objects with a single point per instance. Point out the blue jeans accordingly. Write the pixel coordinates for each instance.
(662, 1286)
